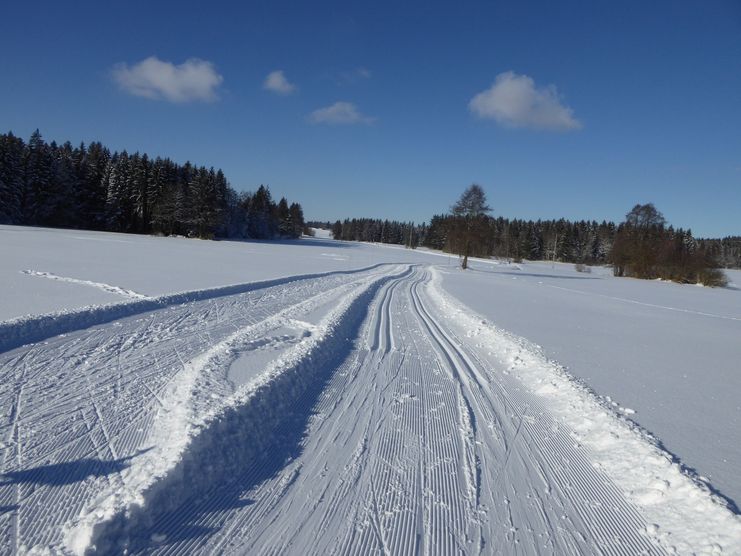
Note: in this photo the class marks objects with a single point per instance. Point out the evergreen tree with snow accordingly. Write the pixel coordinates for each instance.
(260, 223)
(36, 200)
(297, 220)
(11, 179)
(283, 217)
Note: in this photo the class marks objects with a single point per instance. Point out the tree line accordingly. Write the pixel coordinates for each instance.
(375, 230)
(727, 250)
(500, 237)
(583, 241)
(560, 240)
(90, 187)
(643, 246)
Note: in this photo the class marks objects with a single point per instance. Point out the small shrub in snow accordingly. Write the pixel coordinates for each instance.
(713, 277)
(581, 267)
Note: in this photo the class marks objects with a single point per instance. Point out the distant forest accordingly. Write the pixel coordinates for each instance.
(90, 187)
(586, 242)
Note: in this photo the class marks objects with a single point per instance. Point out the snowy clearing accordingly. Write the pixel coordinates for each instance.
(359, 409)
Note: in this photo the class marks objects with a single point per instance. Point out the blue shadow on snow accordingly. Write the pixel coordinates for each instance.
(67, 472)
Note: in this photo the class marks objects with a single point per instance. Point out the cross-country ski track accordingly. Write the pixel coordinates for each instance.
(356, 412)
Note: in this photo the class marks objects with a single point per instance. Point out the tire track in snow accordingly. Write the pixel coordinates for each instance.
(645, 304)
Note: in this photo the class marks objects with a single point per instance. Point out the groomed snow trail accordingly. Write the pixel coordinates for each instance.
(93, 417)
(357, 413)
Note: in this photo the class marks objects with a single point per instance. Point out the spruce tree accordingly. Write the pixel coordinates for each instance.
(11, 178)
(36, 202)
(283, 217)
(297, 220)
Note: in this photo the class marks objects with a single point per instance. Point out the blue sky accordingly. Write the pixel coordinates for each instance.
(558, 109)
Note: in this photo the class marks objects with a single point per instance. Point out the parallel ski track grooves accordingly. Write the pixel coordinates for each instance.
(615, 524)
(346, 373)
(443, 456)
(74, 434)
(579, 476)
(234, 533)
(466, 417)
(395, 436)
(238, 436)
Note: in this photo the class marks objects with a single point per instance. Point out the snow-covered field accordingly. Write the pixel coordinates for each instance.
(325, 397)
(668, 355)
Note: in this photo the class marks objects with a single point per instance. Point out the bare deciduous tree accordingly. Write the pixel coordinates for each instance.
(645, 247)
(470, 212)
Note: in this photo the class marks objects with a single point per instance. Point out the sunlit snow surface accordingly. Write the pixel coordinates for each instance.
(340, 397)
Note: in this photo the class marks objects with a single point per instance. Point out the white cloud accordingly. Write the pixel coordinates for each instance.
(339, 113)
(514, 101)
(276, 81)
(153, 78)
